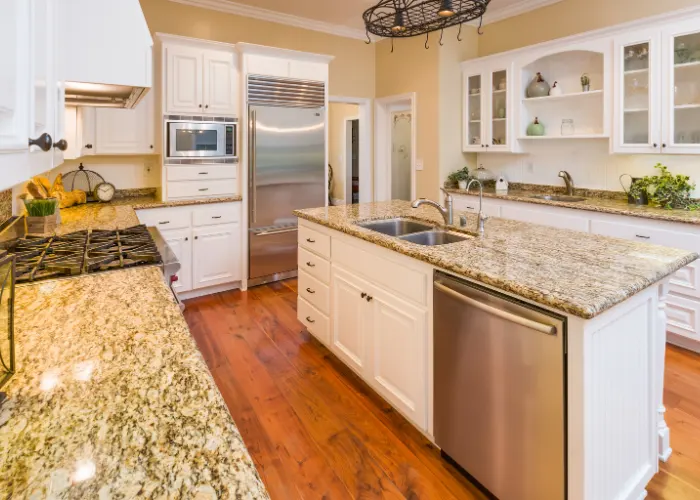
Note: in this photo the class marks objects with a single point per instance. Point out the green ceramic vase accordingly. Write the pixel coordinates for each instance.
(535, 128)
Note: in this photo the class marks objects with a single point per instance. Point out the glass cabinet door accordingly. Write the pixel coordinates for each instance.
(498, 111)
(473, 110)
(682, 89)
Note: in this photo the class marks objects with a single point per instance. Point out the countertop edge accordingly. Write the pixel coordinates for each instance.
(185, 203)
(509, 286)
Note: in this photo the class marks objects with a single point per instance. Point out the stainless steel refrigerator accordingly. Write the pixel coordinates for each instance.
(286, 169)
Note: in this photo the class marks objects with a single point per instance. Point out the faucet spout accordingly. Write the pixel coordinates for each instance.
(481, 217)
(445, 211)
(568, 181)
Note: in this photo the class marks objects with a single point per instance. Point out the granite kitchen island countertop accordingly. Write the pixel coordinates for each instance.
(579, 273)
(112, 398)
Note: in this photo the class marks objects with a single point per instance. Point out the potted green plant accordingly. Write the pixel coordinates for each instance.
(41, 215)
(585, 83)
(459, 178)
(665, 190)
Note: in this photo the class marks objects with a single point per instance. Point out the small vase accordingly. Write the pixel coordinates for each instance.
(535, 128)
(555, 90)
(585, 88)
(462, 184)
(538, 87)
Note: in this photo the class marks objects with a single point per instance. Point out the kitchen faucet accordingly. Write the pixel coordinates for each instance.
(481, 217)
(569, 182)
(445, 211)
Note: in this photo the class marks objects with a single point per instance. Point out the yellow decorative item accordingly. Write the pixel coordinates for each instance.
(67, 199)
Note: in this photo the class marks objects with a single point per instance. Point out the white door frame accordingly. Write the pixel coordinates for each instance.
(347, 136)
(365, 138)
(382, 150)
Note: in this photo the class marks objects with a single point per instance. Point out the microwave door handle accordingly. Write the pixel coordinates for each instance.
(252, 165)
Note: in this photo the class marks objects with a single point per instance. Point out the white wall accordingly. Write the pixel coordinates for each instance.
(588, 161)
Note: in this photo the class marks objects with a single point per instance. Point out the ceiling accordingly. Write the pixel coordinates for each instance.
(346, 14)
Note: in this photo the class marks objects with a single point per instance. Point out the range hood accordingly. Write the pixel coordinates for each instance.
(105, 54)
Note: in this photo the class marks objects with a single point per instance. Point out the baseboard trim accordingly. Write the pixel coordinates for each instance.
(681, 341)
(201, 292)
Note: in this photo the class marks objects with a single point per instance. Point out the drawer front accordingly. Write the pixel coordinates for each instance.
(166, 218)
(314, 321)
(647, 234)
(683, 316)
(220, 213)
(314, 292)
(471, 204)
(201, 172)
(316, 266)
(200, 189)
(316, 242)
(686, 281)
(406, 282)
(544, 217)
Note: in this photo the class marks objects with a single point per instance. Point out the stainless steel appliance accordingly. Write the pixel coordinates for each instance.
(286, 162)
(500, 390)
(192, 138)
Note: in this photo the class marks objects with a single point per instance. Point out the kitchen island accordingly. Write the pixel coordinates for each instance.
(369, 297)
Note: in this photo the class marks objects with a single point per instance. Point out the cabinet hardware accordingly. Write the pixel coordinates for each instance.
(151, 146)
(655, 145)
(363, 295)
(369, 298)
(469, 208)
(310, 264)
(61, 145)
(43, 142)
(642, 236)
(216, 217)
(308, 318)
(204, 189)
(164, 222)
(88, 146)
(200, 105)
(310, 240)
(186, 238)
(482, 145)
(310, 290)
(663, 145)
(207, 106)
(196, 237)
(487, 145)
(204, 173)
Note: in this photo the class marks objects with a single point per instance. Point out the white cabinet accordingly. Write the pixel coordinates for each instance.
(488, 107)
(200, 81)
(125, 131)
(216, 255)
(180, 242)
(537, 215)
(283, 63)
(350, 313)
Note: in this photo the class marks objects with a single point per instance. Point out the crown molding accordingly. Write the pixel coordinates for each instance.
(276, 17)
(515, 9)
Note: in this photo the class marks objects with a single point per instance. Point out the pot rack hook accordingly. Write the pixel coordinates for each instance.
(427, 39)
(459, 33)
(442, 32)
(481, 21)
(369, 40)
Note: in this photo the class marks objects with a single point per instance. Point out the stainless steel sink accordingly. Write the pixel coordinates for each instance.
(558, 197)
(396, 227)
(433, 238)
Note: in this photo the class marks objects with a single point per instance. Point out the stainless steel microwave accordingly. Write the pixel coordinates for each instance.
(200, 139)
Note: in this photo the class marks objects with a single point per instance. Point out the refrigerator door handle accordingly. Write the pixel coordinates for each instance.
(252, 144)
(276, 231)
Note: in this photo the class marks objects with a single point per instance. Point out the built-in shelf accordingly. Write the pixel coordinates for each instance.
(687, 106)
(576, 136)
(474, 95)
(637, 110)
(474, 121)
(573, 95)
(499, 119)
(694, 64)
(500, 91)
(637, 71)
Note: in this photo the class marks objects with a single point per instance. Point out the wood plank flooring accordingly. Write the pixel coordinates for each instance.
(315, 430)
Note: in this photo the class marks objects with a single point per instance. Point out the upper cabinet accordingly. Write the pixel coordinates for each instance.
(283, 63)
(200, 81)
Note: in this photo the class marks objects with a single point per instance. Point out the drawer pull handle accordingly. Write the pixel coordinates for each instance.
(369, 298)
(642, 236)
(216, 217)
(308, 318)
(310, 264)
(204, 173)
(310, 290)
(164, 222)
(204, 189)
(310, 240)
(470, 208)
(363, 295)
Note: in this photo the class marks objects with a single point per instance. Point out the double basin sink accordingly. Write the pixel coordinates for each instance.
(413, 231)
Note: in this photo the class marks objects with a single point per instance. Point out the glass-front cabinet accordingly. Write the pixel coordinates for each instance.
(487, 108)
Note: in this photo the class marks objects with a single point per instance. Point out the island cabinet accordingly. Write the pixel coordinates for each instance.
(369, 306)
(206, 240)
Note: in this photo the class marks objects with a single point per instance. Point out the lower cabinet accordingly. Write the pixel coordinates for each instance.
(216, 255)
(180, 242)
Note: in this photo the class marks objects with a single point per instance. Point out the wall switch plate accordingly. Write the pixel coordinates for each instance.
(419, 164)
(529, 167)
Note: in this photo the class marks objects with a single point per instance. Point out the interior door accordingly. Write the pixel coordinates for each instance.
(184, 81)
(219, 83)
(288, 169)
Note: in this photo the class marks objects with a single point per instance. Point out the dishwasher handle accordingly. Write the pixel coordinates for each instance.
(514, 318)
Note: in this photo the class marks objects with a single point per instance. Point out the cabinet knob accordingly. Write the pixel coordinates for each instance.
(206, 107)
(369, 298)
(61, 145)
(88, 146)
(43, 142)
(186, 238)
(487, 145)
(200, 105)
(482, 145)
(151, 146)
(655, 145)
(363, 295)
(663, 145)
(196, 237)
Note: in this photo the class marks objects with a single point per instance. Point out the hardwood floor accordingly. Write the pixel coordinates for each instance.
(315, 430)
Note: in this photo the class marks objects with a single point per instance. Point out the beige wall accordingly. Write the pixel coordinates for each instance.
(351, 72)
(338, 113)
(569, 17)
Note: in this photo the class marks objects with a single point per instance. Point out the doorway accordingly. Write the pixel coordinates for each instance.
(395, 148)
(352, 161)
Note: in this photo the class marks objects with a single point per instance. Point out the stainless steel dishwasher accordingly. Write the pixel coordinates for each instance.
(499, 390)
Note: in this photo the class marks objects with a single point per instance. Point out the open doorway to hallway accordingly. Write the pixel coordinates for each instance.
(401, 147)
(395, 148)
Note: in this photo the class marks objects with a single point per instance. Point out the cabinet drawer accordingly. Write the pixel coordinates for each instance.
(166, 218)
(314, 292)
(686, 281)
(314, 265)
(316, 242)
(647, 234)
(201, 189)
(683, 316)
(545, 217)
(201, 172)
(314, 321)
(471, 204)
(223, 213)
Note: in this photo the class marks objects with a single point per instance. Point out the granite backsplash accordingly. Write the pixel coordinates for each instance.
(5, 205)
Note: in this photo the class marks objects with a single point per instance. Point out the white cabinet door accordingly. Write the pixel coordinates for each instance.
(220, 96)
(85, 131)
(306, 70)
(475, 106)
(266, 65)
(61, 143)
(180, 241)
(125, 131)
(637, 117)
(398, 355)
(70, 128)
(544, 216)
(470, 204)
(679, 89)
(216, 256)
(350, 313)
(497, 111)
(184, 92)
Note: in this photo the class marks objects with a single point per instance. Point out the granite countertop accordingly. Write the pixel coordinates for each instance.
(112, 398)
(610, 202)
(579, 273)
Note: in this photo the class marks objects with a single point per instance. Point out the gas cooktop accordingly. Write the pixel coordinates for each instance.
(40, 258)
